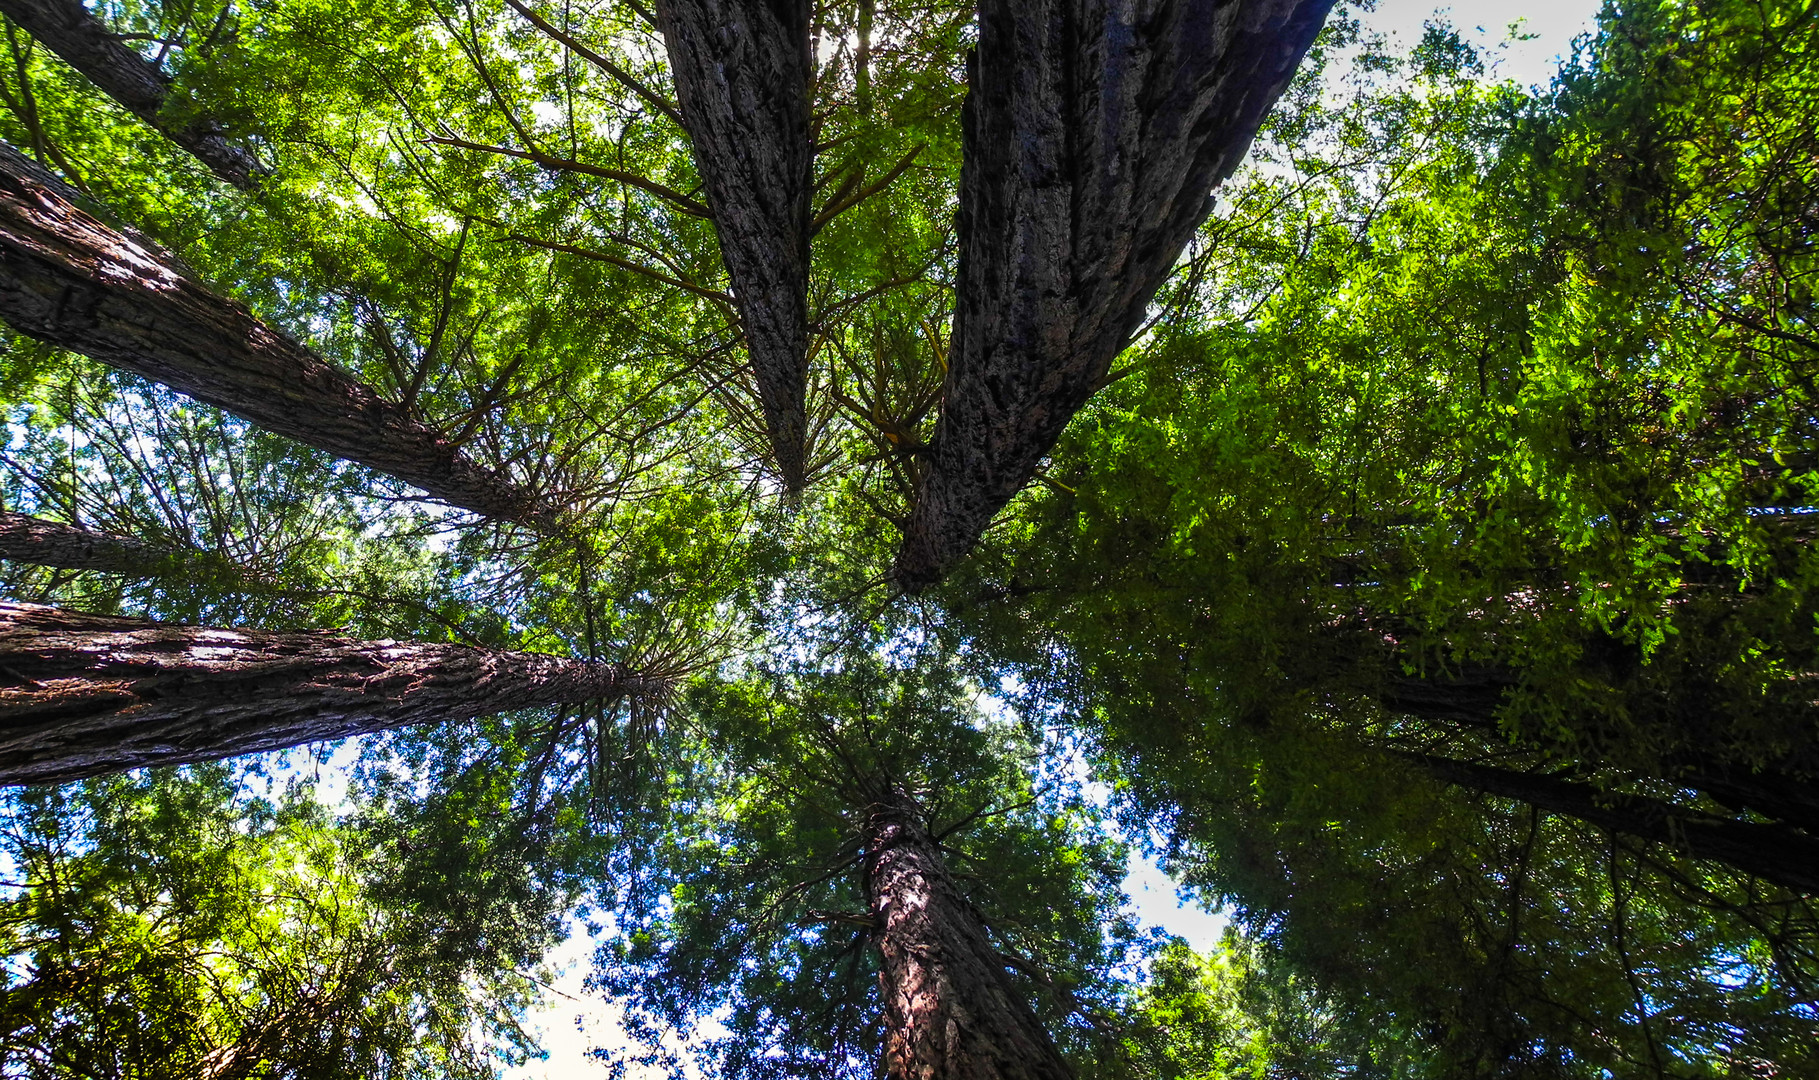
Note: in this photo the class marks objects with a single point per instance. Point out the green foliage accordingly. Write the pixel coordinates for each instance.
(1476, 427)
(168, 926)
(1476, 423)
(1240, 1013)
(743, 898)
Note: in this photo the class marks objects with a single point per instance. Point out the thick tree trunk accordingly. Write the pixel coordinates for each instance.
(1786, 856)
(950, 1010)
(82, 695)
(68, 279)
(1094, 131)
(1470, 698)
(66, 28)
(742, 71)
(70, 547)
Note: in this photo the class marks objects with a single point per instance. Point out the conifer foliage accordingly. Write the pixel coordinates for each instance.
(797, 493)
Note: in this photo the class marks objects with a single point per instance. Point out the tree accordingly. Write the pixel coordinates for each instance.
(856, 860)
(71, 280)
(1093, 136)
(1445, 557)
(742, 72)
(1429, 579)
(86, 44)
(24, 538)
(170, 926)
(94, 694)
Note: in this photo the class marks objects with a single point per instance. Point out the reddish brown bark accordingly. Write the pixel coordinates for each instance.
(70, 547)
(951, 1012)
(73, 281)
(742, 71)
(82, 695)
(83, 42)
(1093, 132)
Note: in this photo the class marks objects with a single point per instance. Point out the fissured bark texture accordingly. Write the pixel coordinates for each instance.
(951, 1011)
(66, 28)
(71, 547)
(82, 695)
(1094, 131)
(71, 280)
(742, 71)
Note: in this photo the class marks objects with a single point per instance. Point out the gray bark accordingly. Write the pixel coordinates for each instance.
(71, 547)
(82, 695)
(70, 279)
(66, 28)
(1093, 131)
(950, 1010)
(742, 71)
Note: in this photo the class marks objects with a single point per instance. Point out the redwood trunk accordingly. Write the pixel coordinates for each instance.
(71, 547)
(71, 280)
(82, 695)
(1786, 856)
(742, 71)
(1093, 132)
(66, 28)
(951, 1011)
(1472, 697)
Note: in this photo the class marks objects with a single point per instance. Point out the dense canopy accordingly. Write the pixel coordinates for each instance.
(796, 494)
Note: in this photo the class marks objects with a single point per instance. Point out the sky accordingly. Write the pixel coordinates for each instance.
(571, 1021)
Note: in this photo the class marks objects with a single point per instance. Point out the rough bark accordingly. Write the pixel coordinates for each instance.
(71, 280)
(1093, 132)
(742, 71)
(71, 547)
(951, 1011)
(67, 28)
(1471, 697)
(1785, 856)
(82, 695)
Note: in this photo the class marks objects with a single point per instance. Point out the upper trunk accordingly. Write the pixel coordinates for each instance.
(1093, 132)
(82, 695)
(1472, 696)
(71, 547)
(950, 1010)
(742, 71)
(66, 28)
(1777, 853)
(69, 279)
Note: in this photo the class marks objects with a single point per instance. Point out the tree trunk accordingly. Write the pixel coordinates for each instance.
(66, 28)
(742, 71)
(1785, 856)
(68, 279)
(82, 695)
(1093, 132)
(950, 1010)
(71, 547)
(1470, 697)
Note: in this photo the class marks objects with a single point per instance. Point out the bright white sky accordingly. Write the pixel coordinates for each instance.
(571, 1021)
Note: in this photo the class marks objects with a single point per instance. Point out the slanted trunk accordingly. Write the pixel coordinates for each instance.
(1785, 856)
(66, 28)
(71, 547)
(71, 280)
(82, 695)
(1093, 132)
(742, 71)
(951, 1011)
(1471, 697)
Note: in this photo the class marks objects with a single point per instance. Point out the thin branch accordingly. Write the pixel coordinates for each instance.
(624, 77)
(555, 164)
(842, 205)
